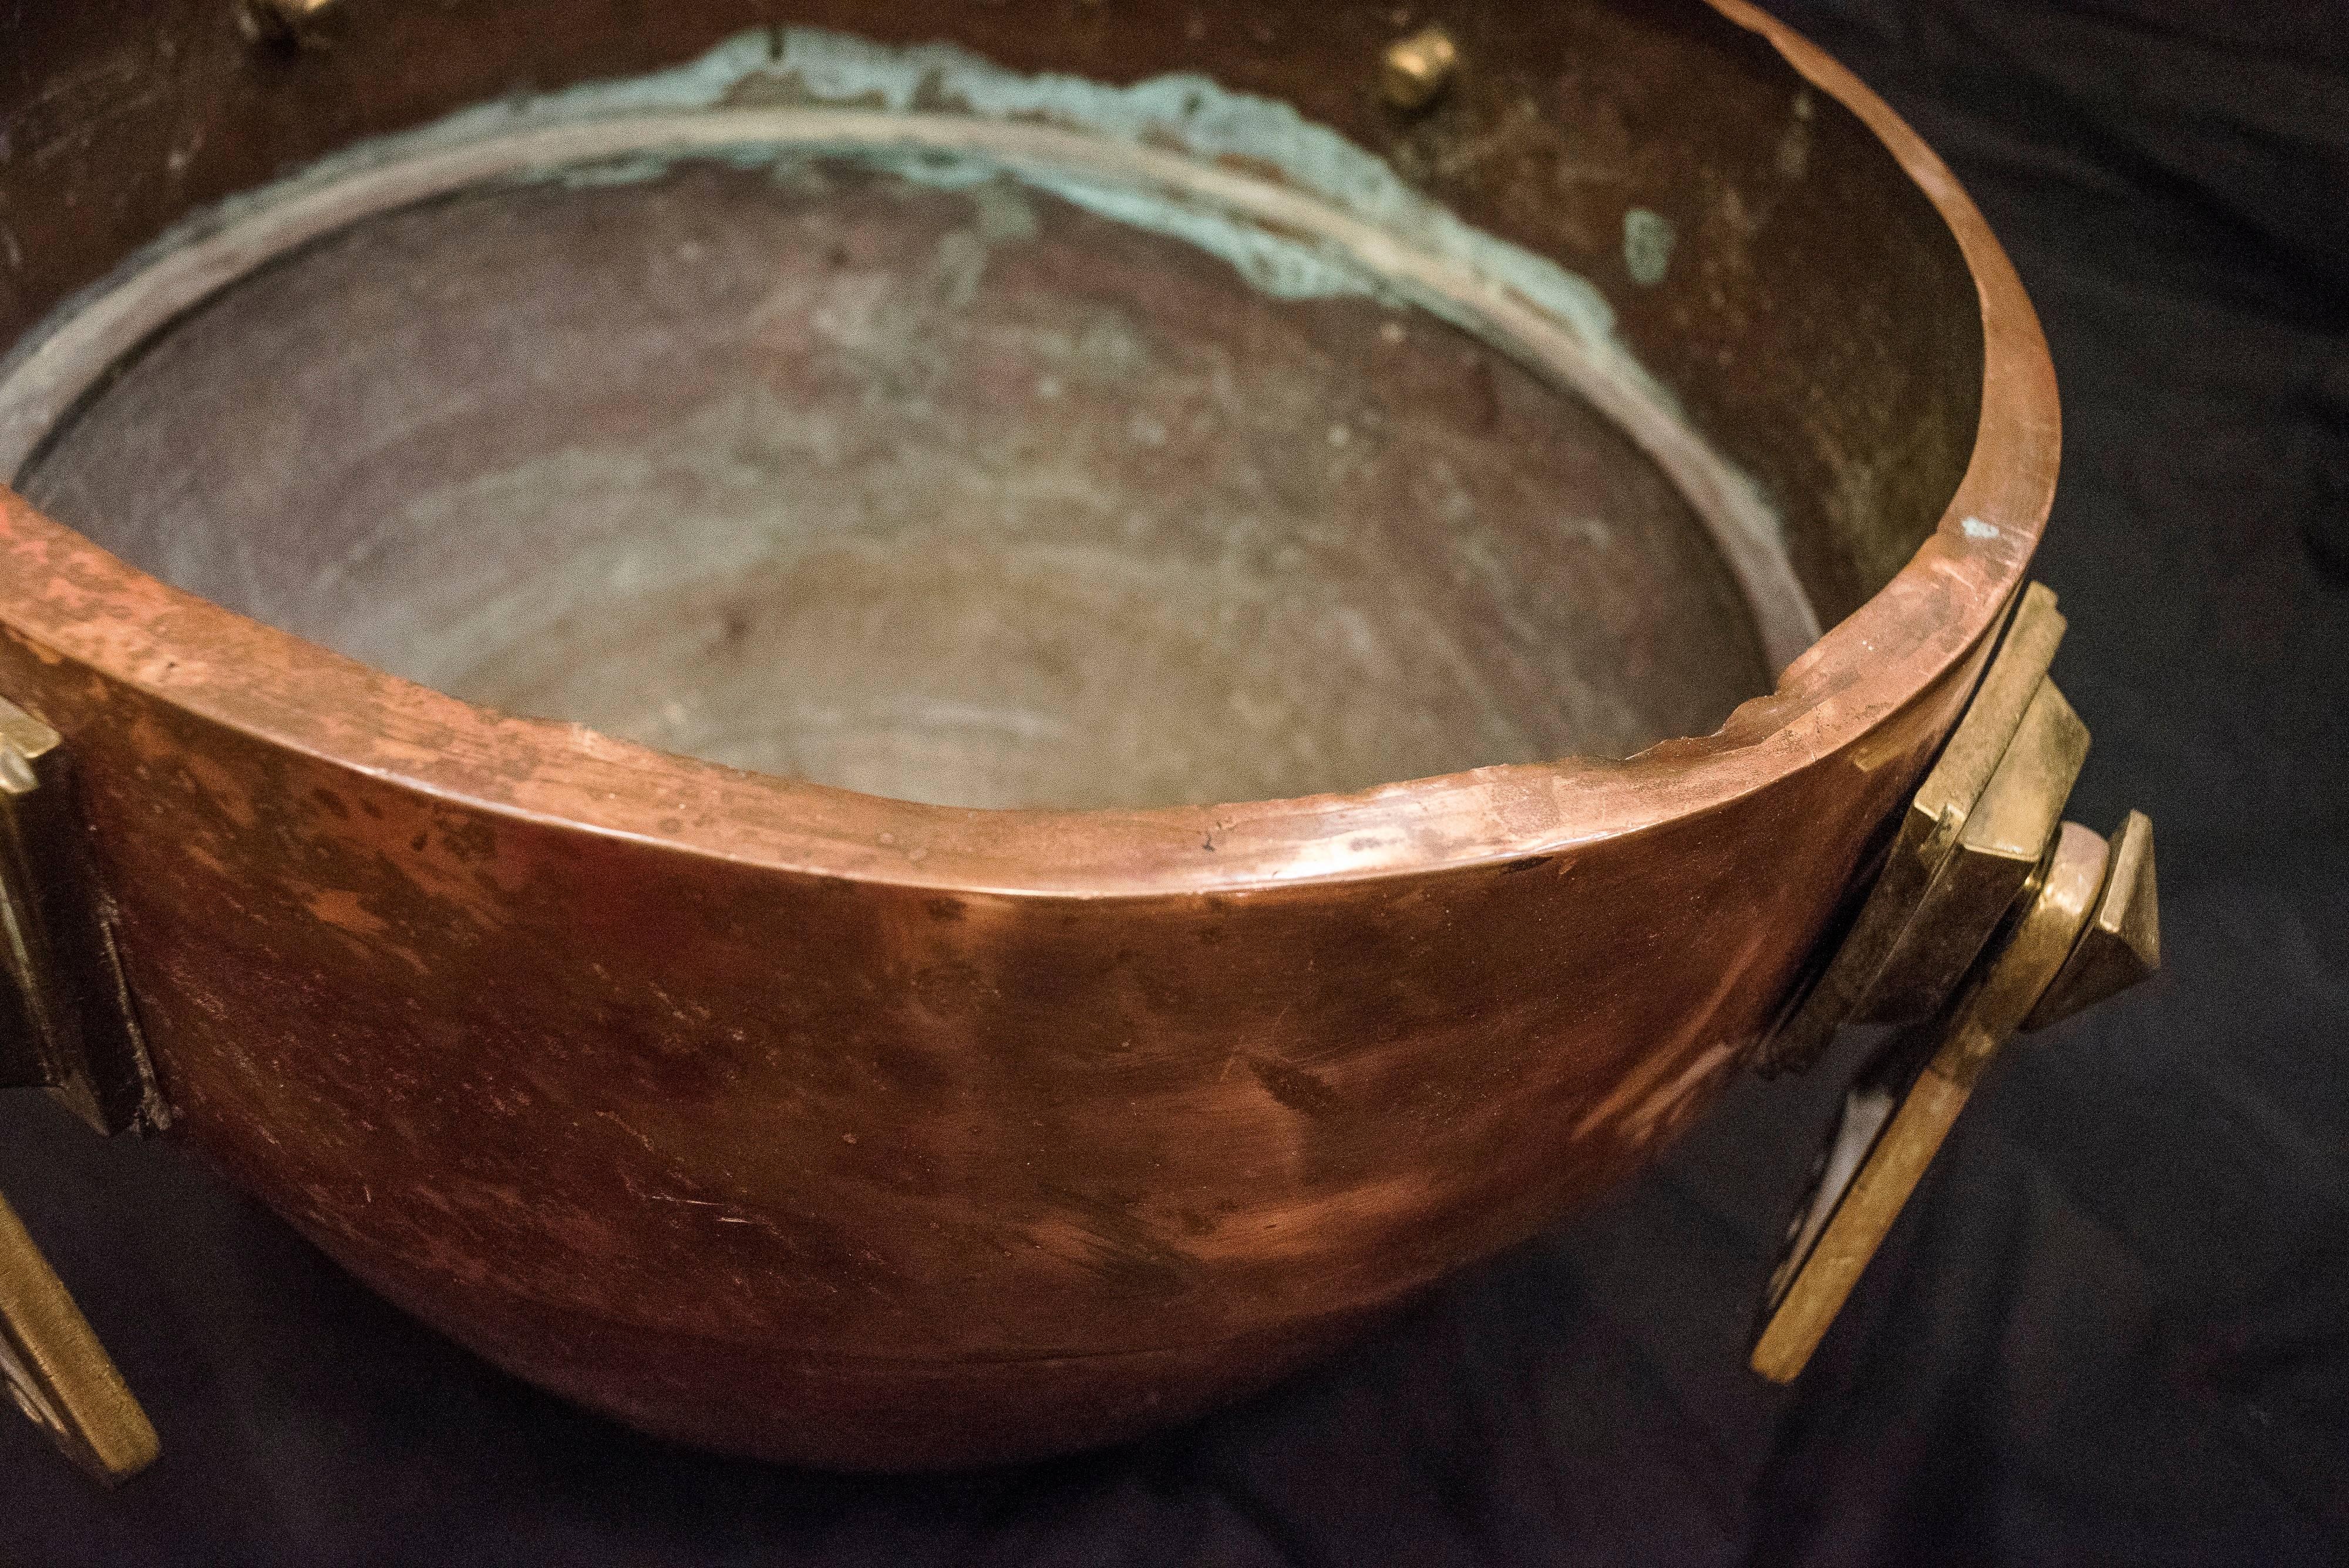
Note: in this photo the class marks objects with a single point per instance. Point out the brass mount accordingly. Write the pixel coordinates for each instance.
(1988, 915)
(66, 1025)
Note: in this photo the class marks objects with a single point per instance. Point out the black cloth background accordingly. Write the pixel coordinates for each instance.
(2113, 1324)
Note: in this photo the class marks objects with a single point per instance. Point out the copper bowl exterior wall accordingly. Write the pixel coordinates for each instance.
(850, 1131)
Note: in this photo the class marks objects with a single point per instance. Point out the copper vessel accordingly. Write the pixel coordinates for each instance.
(1084, 1000)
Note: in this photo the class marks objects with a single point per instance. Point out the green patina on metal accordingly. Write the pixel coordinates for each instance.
(1313, 216)
(811, 68)
(1647, 246)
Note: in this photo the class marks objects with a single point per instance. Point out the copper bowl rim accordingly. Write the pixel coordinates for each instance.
(81, 604)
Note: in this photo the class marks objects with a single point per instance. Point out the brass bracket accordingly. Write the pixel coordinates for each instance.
(1987, 917)
(66, 1020)
(66, 1025)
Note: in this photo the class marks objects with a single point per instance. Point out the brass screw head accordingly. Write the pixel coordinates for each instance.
(1416, 69)
(283, 22)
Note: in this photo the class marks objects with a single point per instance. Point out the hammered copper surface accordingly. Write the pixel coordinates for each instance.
(844, 1130)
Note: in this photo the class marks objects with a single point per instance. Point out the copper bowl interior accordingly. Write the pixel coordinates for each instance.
(967, 493)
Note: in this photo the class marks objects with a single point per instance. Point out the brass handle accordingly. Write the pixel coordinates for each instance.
(58, 1371)
(1987, 917)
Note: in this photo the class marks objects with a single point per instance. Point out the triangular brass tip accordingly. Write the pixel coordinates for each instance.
(2122, 942)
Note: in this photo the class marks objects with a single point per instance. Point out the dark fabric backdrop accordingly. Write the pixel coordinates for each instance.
(2113, 1325)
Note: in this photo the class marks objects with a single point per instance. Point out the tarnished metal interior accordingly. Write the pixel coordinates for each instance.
(968, 496)
(964, 490)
